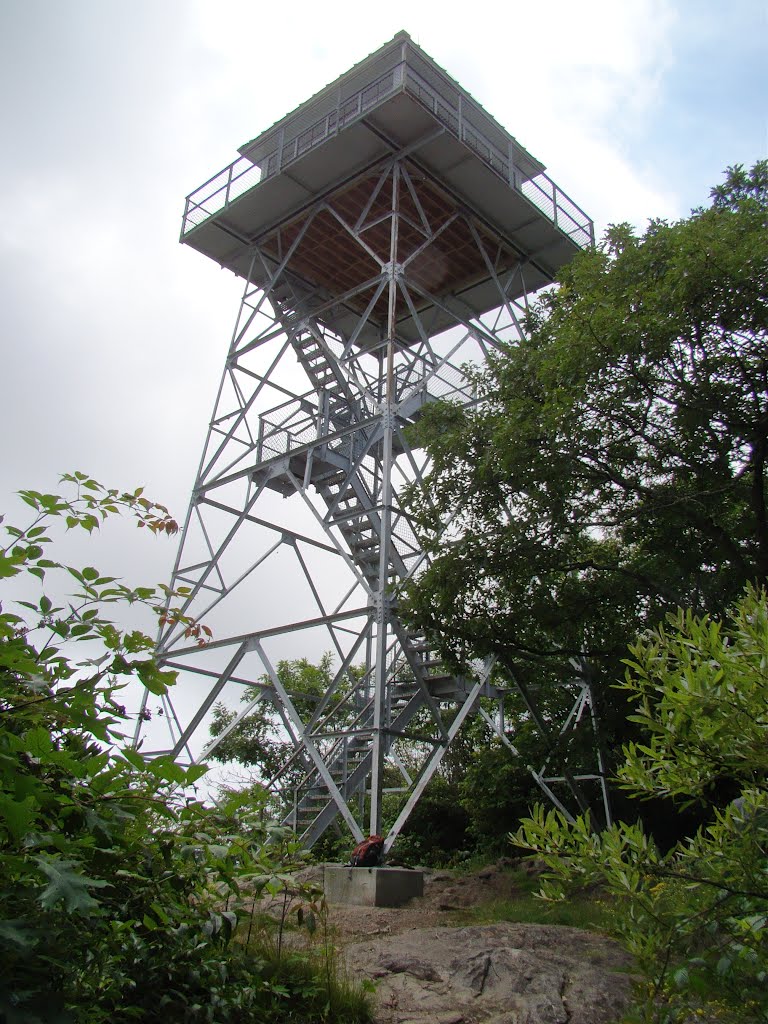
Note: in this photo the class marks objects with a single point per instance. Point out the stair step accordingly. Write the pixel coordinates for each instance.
(322, 478)
(362, 545)
(357, 520)
(351, 507)
(359, 541)
(367, 562)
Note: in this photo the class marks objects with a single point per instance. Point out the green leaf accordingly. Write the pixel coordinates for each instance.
(68, 886)
(166, 769)
(17, 933)
(161, 914)
(680, 977)
(134, 758)
(155, 680)
(81, 629)
(9, 566)
(38, 742)
(195, 772)
(212, 926)
(17, 815)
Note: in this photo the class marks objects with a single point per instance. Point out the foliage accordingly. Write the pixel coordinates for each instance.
(615, 467)
(495, 791)
(308, 969)
(436, 830)
(582, 910)
(117, 900)
(478, 794)
(259, 741)
(696, 918)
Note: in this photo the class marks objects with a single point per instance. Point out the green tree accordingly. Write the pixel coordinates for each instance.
(615, 467)
(695, 917)
(259, 741)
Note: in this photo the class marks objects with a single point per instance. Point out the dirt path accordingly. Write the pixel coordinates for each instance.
(428, 969)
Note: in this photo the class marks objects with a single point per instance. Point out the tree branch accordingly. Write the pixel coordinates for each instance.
(683, 876)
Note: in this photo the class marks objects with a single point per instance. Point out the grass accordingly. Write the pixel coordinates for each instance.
(301, 975)
(466, 863)
(588, 911)
(527, 909)
(309, 984)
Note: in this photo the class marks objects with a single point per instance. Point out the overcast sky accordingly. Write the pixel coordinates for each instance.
(114, 335)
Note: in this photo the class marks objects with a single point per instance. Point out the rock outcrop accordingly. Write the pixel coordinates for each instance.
(494, 974)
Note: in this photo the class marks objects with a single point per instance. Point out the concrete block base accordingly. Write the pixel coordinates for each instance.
(372, 887)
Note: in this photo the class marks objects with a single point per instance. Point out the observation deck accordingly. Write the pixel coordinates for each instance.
(396, 102)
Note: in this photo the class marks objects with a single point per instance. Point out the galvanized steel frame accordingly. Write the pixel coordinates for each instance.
(337, 441)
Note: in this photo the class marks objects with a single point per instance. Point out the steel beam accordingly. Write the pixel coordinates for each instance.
(297, 532)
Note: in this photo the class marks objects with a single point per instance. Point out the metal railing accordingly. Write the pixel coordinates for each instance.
(295, 424)
(291, 427)
(454, 109)
(448, 382)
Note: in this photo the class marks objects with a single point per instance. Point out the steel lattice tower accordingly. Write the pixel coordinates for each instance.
(389, 233)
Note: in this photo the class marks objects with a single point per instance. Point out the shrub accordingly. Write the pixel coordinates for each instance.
(695, 917)
(119, 899)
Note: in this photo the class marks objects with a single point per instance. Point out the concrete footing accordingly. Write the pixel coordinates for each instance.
(371, 887)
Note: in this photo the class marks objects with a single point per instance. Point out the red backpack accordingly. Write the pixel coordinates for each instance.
(368, 853)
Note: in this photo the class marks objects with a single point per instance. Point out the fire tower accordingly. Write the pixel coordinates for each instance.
(389, 233)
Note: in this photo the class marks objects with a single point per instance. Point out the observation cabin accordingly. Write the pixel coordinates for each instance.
(396, 102)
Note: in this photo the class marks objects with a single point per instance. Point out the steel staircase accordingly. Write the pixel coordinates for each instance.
(338, 468)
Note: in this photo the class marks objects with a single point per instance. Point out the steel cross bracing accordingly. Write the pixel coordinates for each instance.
(296, 537)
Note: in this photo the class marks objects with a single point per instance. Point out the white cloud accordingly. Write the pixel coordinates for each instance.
(114, 336)
(571, 81)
